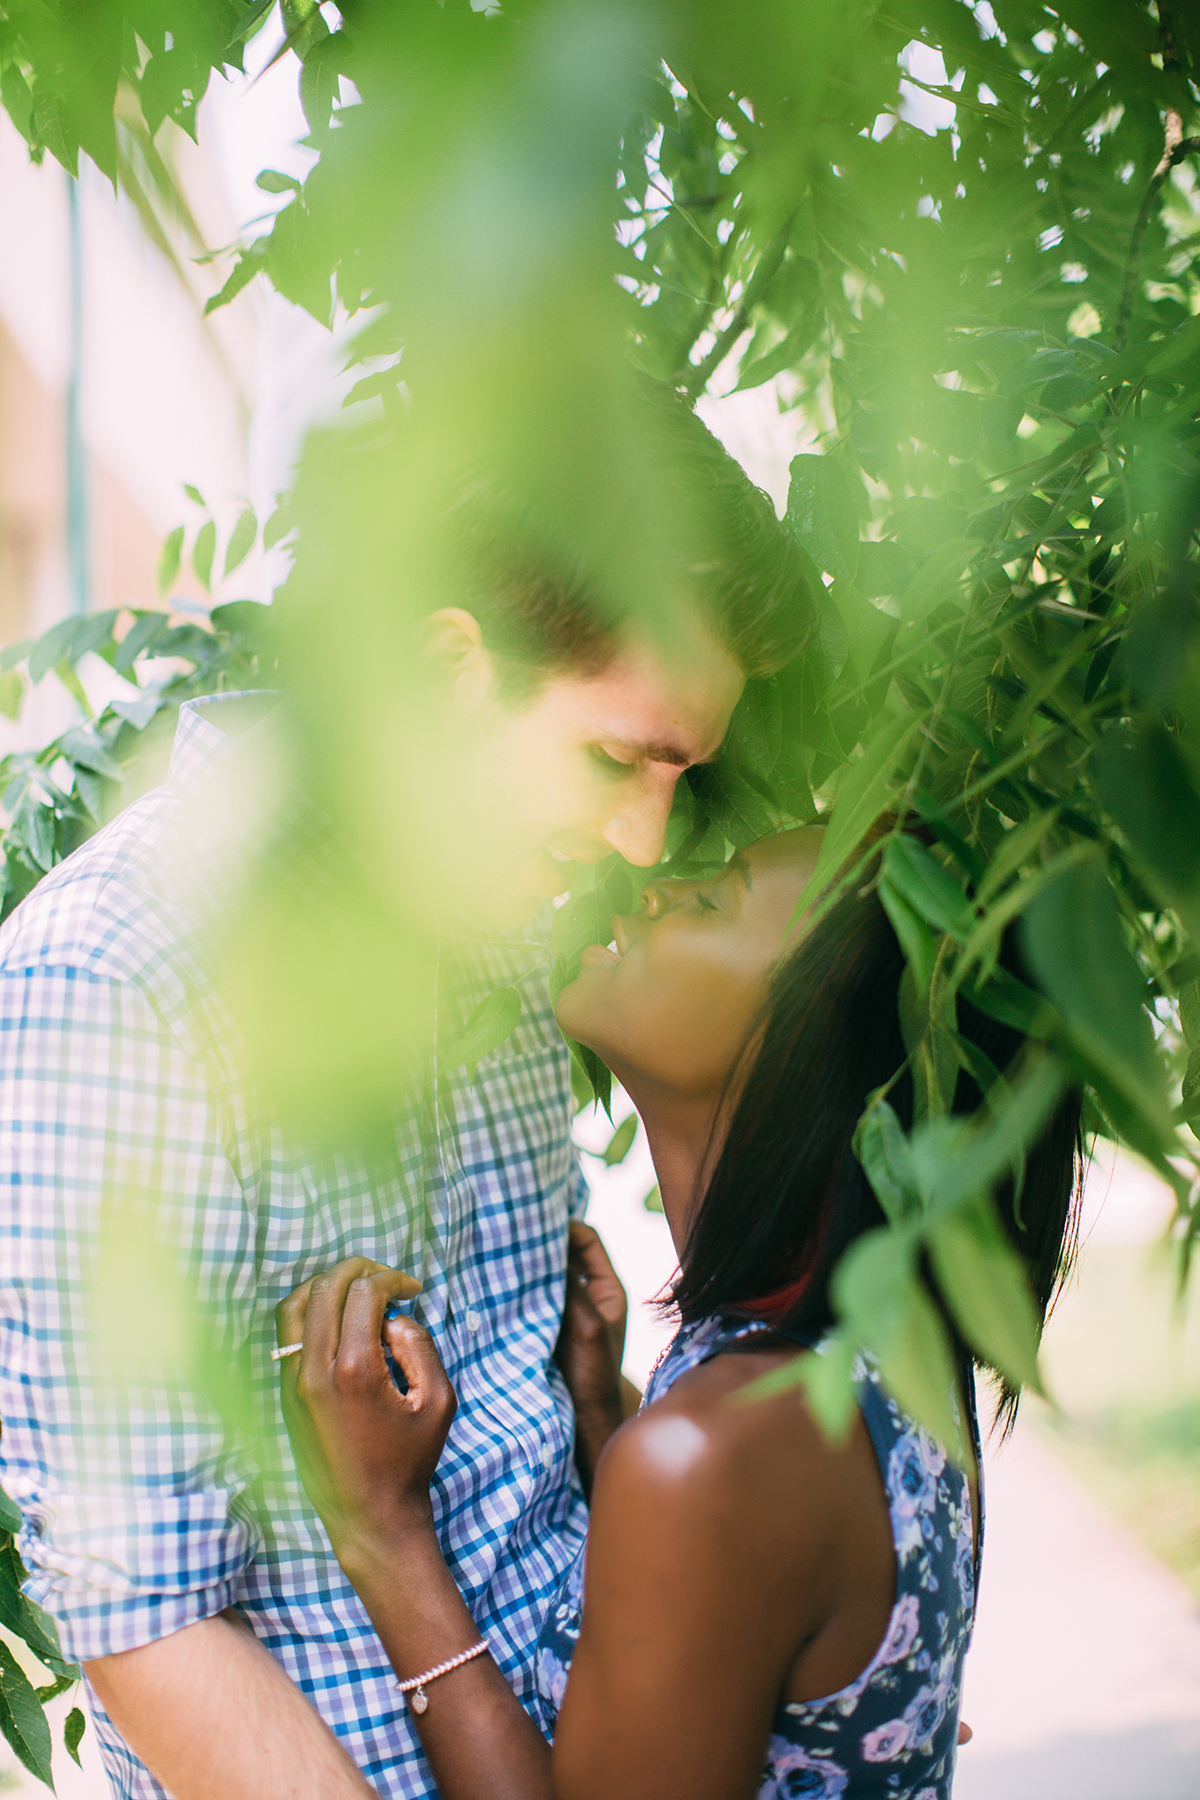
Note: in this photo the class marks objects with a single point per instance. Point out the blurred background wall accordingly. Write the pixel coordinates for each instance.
(116, 390)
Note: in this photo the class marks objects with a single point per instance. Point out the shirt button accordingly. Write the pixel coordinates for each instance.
(473, 1319)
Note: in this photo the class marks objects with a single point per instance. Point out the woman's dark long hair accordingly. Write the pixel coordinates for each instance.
(787, 1195)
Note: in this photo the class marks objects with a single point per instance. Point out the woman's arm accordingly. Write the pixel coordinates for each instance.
(366, 1454)
(699, 1596)
(702, 1580)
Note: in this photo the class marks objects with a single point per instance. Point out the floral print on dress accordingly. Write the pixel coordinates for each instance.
(891, 1734)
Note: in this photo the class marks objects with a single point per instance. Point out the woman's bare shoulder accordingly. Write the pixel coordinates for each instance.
(710, 1437)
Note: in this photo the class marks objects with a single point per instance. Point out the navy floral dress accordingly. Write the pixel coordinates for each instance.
(891, 1734)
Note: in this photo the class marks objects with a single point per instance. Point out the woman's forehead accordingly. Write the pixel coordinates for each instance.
(786, 851)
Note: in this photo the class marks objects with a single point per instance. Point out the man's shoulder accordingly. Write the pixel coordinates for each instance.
(104, 909)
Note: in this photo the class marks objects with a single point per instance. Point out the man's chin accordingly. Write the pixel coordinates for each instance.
(500, 910)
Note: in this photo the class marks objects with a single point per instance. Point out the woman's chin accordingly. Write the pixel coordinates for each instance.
(582, 1009)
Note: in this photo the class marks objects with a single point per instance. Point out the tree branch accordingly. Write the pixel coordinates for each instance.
(768, 266)
(1175, 148)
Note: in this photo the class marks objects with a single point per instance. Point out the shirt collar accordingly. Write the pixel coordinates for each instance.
(202, 742)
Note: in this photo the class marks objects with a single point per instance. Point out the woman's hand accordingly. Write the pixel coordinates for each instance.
(591, 1344)
(365, 1451)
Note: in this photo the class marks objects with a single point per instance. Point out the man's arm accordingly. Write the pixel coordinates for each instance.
(214, 1717)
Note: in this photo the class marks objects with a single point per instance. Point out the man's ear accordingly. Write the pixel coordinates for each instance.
(457, 658)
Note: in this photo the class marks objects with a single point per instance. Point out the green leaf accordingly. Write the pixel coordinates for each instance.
(241, 540)
(757, 725)
(272, 182)
(193, 493)
(618, 1146)
(886, 1157)
(279, 523)
(288, 257)
(927, 887)
(591, 1081)
(22, 1720)
(250, 262)
(1189, 1012)
(51, 647)
(1148, 788)
(19, 1615)
(18, 101)
(203, 551)
(1016, 847)
(320, 75)
(1189, 1091)
(170, 558)
(914, 935)
(861, 797)
(59, 1685)
(986, 1287)
(74, 1727)
(929, 1024)
(959, 1159)
(822, 514)
(654, 1201)
(83, 747)
(882, 1301)
(91, 792)
(94, 629)
(1072, 937)
(247, 623)
(585, 919)
(33, 829)
(10, 1513)
(140, 637)
(827, 1376)
(493, 1020)
(12, 693)
(73, 685)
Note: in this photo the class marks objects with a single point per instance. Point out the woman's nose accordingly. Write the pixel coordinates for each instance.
(655, 902)
(659, 897)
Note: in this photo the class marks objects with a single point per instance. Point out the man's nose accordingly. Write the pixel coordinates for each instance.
(639, 830)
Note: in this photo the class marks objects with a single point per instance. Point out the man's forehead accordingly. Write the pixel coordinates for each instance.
(672, 710)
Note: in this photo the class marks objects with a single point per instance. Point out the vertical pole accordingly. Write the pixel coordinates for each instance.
(77, 507)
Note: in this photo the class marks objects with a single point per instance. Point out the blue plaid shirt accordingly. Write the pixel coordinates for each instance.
(118, 1078)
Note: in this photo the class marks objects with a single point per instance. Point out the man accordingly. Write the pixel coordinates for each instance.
(226, 1653)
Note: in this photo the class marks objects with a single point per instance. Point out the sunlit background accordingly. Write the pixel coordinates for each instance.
(115, 394)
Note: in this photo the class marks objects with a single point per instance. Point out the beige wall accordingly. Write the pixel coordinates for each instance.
(124, 544)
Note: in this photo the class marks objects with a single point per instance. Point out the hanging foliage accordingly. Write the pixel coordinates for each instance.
(958, 245)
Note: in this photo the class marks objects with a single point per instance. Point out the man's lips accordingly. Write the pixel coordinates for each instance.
(557, 873)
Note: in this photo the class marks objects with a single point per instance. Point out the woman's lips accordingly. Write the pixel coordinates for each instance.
(601, 953)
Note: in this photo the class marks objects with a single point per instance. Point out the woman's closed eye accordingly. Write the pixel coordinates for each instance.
(705, 903)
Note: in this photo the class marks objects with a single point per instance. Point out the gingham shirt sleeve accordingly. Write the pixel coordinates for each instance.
(580, 1194)
(113, 1153)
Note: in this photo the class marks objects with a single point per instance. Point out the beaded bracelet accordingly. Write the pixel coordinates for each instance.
(416, 1687)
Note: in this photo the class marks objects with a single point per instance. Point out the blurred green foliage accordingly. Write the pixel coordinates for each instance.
(960, 244)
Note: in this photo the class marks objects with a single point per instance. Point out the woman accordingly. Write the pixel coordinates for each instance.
(767, 1613)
